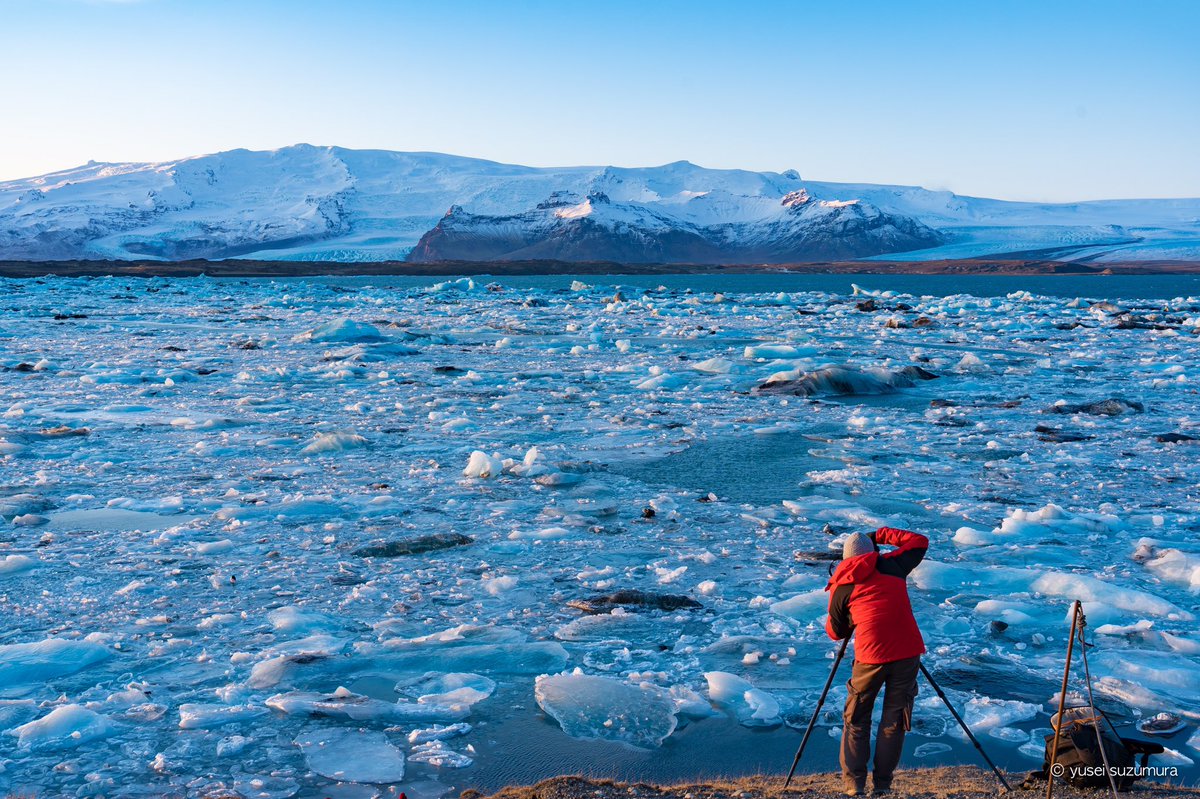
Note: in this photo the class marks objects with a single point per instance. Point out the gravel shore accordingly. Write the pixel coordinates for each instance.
(956, 782)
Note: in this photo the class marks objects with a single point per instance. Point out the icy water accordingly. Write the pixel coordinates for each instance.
(1141, 287)
(209, 487)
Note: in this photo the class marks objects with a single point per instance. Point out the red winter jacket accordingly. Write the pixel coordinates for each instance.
(869, 597)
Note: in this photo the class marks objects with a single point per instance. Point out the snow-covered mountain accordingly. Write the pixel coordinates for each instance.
(329, 203)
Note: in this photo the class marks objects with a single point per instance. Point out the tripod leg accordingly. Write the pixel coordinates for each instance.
(820, 703)
(1062, 698)
(941, 695)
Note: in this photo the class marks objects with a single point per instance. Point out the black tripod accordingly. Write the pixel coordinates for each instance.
(963, 724)
(820, 703)
(937, 688)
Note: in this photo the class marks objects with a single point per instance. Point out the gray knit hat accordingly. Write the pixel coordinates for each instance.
(856, 544)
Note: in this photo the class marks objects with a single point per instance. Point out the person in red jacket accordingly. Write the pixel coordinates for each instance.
(868, 597)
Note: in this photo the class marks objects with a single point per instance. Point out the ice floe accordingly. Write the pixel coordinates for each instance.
(66, 726)
(351, 755)
(751, 705)
(589, 706)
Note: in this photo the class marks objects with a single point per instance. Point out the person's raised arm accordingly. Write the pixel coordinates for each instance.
(910, 550)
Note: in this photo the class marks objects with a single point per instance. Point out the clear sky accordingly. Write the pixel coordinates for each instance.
(1044, 100)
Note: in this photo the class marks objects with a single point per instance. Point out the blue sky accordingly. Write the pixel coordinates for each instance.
(1023, 100)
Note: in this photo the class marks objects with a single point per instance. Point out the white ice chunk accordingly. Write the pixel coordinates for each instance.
(1161, 672)
(1006, 611)
(777, 352)
(205, 717)
(39, 661)
(972, 363)
(483, 466)
(438, 732)
(342, 330)
(296, 621)
(64, 727)
(437, 753)
(16, 564)
(213, 547)
(351, 755)
(983, 713)
(1092, 589)
(753, 707)
(455, 688)
(809, 606)
(1176, 566)
(233, 745)
(714, 366)
(930, 749)
(589, 707)
(1009, 734)
(1174, 757)
(323, 443)
(361, 708)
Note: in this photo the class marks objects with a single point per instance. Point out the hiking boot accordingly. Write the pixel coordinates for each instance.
(881, 790)
(853, 789)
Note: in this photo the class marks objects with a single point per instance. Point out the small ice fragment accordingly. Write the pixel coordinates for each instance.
(362, 708)
(214, 547)
(204, 717)
(16, 564)
(438, 732)
(930, 749)
(1010, 734)
(483, 466)
(333, 442)
(437, 753)
(232, 745)
(752, 706)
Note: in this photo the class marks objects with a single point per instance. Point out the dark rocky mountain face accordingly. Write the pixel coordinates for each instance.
(806, 231)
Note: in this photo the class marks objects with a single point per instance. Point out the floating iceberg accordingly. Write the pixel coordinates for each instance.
(483, 466)
(346, 704)
(351, 755)
(66, 726)
(437, 753)
(39, 661)
(342, 330)
(438, 732)
(323, 443)
(205, 717)
(844, 380)
(455, 688)
(752, 706)
(587, 706)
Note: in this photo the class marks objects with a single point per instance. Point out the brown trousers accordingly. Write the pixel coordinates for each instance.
(900, 679)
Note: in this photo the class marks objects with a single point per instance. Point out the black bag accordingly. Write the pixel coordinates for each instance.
(1079, 755)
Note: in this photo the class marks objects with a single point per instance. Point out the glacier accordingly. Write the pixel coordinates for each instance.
(312, 203)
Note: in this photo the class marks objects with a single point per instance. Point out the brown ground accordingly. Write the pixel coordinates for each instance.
(243, 268)
(951, 782)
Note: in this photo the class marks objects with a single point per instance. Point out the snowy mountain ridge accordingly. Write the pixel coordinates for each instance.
(329, 203)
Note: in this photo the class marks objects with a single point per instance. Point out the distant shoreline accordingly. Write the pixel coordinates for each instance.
(265, 269)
